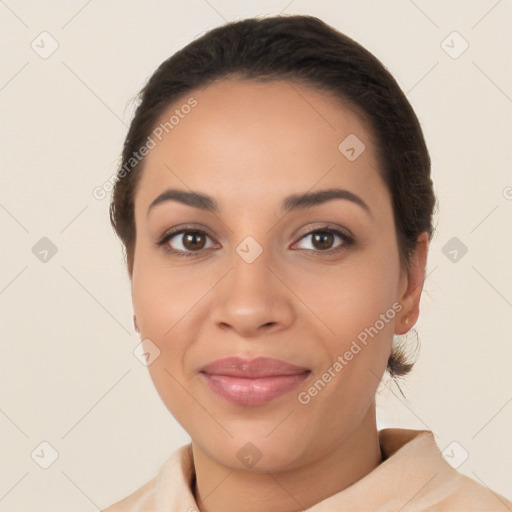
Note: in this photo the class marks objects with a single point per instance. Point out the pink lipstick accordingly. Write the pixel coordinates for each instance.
(252, 382)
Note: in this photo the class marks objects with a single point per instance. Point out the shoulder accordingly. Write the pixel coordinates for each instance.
(141, 500)
(461, 493)
(416, 460)
(170, 486)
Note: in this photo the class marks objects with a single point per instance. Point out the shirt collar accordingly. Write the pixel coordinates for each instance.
(397, 479)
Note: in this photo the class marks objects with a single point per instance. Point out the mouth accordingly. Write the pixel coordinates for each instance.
(252, 382)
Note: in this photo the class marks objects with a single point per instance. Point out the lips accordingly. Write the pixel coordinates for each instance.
(252, 382)
(253, 368)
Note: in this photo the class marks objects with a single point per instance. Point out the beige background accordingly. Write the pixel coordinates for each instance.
(68, 374)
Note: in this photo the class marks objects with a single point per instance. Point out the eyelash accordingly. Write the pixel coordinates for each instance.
(346, 239)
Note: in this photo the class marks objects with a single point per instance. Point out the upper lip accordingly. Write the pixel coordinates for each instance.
(252, 368)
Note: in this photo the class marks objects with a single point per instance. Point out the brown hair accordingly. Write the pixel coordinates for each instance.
(306, 50)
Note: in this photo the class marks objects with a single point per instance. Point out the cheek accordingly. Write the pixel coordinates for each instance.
(163, 301)
(352, 296)
(356, 304)
(162, 296)
(357, 301)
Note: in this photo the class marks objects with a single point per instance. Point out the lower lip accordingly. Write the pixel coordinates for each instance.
(251, 392)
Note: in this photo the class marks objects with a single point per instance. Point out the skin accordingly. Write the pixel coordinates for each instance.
(248, 145)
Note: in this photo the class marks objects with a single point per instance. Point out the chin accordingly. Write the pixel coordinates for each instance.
(251, 451)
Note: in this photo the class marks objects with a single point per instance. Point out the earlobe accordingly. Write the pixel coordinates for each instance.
(136, 327)
(410, 299)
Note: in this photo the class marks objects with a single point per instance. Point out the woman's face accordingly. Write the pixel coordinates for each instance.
(256, 282)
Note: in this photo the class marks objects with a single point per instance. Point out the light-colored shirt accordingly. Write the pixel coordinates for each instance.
(413, 477)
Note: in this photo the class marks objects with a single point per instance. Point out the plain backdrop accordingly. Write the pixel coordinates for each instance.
(69, 378)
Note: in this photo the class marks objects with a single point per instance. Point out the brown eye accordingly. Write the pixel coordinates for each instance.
(185, 242)
(193, 241)
(324, 240)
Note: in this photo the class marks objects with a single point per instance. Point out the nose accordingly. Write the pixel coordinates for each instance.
(252, 299)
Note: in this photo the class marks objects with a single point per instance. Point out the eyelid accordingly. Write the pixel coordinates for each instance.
(184, 228)
(326, 226)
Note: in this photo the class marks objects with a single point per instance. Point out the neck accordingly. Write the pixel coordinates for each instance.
(221, 489)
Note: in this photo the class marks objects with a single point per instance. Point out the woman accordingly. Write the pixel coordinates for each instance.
(275, 204)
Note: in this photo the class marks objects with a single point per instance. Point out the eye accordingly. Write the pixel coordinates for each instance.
(322, 240)
(193, 241)
(188, 241)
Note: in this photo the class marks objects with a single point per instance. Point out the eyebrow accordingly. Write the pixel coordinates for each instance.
(290, 203)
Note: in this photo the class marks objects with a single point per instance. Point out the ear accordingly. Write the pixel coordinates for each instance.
(135, 326)
(411, 285)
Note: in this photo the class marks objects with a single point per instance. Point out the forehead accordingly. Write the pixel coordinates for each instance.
(246, 140)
